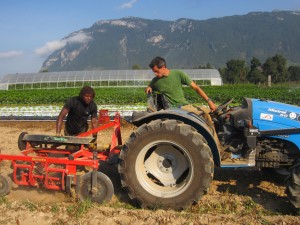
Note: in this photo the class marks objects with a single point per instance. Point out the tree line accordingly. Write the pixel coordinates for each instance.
(237, 71)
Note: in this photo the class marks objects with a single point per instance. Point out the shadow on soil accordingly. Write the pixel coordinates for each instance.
(263, 187)
(112, 172)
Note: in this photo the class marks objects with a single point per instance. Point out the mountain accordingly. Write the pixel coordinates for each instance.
(185, 43)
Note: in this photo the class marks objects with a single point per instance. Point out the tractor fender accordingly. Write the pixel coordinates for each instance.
(139, 118)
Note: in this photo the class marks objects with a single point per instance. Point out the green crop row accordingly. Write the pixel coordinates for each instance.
(220, 94)
(134, 96)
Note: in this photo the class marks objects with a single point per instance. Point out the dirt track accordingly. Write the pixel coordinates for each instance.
(235, 197)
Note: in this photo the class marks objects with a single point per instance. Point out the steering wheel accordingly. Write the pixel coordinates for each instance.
(221, 107)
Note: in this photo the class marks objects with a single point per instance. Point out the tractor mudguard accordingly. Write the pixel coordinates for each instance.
(139, 118)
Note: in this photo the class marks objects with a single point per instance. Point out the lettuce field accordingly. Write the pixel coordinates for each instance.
(136, 96)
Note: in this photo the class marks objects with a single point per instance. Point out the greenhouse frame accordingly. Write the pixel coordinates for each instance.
(98, 78)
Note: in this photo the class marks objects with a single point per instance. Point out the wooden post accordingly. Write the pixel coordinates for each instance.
(269, 80)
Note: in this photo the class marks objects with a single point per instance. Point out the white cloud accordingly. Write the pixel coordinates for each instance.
(79, 38)
(128, 4)
(52, 46)
(10, 54)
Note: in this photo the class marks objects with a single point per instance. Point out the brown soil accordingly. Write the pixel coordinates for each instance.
(236, 196)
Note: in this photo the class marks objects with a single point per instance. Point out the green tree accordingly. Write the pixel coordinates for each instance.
(294, 73)
(207, 66)
(255, 74)
(276, 67)
(43, 71)
(255, 63)
(235, 72)
(136, 67)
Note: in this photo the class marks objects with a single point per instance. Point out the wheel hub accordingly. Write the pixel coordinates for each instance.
(166, 163)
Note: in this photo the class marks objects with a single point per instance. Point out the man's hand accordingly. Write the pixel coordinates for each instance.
(212, 106)
(94, 139)
(64, 111)
(93, 143)
(148, 90)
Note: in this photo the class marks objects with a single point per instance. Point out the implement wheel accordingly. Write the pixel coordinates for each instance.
(103, 192)
(5, 185)
(21, 143)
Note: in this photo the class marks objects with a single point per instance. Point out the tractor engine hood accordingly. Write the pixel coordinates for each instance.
(277, 120)
(270, 115)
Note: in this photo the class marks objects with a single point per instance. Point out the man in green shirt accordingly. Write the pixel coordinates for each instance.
(169, 83)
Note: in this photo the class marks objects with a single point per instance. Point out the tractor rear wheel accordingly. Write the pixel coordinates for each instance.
(166, 164)
(293, 186)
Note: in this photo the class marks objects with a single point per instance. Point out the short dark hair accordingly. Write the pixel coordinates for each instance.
(87, 90)
(158, 61)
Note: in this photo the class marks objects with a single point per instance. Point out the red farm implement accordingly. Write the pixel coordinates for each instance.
(64, 163)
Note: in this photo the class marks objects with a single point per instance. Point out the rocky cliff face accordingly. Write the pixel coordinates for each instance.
(185, 43)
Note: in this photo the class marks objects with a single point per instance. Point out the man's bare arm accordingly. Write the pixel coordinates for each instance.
(203, 95)
(59, 120)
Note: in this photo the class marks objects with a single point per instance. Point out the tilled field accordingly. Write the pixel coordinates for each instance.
(236, 196)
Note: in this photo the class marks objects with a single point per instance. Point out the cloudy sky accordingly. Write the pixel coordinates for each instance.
(30, 30)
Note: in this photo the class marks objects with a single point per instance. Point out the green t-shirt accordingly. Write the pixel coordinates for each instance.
(171, 86)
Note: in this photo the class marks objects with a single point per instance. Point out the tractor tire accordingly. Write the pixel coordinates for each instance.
(104, 190)
(293, 186)
(166, 164)
(5, 185)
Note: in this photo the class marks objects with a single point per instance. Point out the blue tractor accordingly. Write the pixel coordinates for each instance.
(169, 159)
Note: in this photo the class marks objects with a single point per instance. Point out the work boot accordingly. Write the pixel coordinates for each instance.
(225, 155)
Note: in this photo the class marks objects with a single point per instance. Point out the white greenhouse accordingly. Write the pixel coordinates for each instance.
(98, 78)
